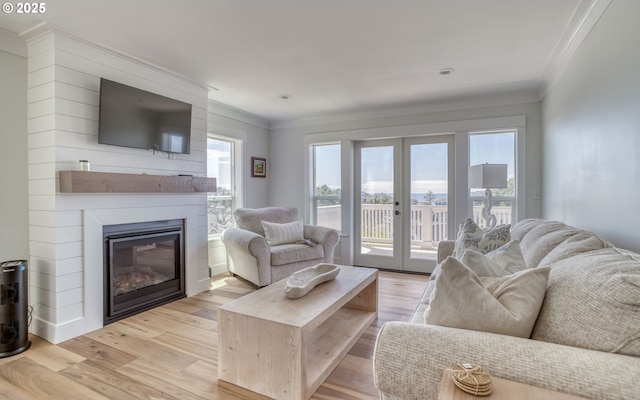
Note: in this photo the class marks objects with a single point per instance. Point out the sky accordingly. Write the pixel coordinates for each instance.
(428, 163)
(222, 170)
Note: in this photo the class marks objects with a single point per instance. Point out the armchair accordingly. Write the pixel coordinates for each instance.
(252, 257)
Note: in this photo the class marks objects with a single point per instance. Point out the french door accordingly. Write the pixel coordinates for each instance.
(404, 193)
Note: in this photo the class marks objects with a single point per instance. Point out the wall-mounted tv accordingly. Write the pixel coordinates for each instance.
(133, 117)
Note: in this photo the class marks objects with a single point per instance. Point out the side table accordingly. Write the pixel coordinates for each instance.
(502, 390)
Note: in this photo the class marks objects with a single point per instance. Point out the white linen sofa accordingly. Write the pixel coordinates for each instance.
(585, 342)
(253, 258)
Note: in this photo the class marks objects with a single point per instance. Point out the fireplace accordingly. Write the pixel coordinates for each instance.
(143, 266)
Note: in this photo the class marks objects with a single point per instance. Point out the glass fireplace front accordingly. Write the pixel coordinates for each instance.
(144, 267)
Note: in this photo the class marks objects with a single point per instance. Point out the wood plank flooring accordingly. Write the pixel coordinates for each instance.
(171, 352)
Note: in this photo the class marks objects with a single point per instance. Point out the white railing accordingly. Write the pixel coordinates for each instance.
(429, 224)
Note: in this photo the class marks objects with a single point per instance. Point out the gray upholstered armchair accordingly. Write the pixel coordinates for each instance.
(263, 257)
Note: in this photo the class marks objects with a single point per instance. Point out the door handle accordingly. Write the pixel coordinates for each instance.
(397, 212)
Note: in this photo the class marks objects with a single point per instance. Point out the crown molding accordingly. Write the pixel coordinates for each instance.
(237, 114)
(12, 43)
(479, 100)
(584, 19)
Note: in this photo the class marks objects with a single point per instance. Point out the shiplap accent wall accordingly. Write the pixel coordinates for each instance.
(63, 97)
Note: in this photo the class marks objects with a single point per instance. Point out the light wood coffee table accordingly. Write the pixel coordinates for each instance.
(502, 390)
(285, 348)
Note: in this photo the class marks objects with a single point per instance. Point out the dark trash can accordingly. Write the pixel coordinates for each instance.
(14, 320)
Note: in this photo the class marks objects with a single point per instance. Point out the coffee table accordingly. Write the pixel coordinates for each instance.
(285, 348)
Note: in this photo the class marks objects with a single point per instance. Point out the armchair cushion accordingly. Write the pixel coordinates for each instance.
(251, 218)
(275, 233)
(293, 253)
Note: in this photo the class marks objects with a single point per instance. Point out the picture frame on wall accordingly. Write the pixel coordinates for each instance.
(258, 167)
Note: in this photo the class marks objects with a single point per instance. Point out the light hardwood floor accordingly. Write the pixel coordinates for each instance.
(170, 352)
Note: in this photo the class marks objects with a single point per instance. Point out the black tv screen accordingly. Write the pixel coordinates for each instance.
(133, 117)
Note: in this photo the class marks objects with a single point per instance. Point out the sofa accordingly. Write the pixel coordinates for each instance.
(585, 339)
(267, 244)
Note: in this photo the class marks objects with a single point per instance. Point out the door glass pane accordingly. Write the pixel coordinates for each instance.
(429, 198)
(376, 199)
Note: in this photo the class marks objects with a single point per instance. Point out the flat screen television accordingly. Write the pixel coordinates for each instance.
(133, 117)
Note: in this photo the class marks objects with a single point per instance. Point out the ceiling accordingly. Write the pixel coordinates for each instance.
(330, 55)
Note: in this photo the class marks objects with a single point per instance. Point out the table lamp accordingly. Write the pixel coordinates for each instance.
(488, 176)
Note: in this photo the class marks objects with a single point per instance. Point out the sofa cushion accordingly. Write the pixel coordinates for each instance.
(505, 305)
(251, 218)
(504, 260)
(275, 233)
(508, 259)
(471, 236)
(552, 241)
(292, 253)
(593, 302)
(580, 242)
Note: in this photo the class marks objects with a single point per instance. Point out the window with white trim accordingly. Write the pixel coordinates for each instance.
(220, 204)
(326, 207)
(495, 147)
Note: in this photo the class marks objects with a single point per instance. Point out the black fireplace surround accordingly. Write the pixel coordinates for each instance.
(143, 267)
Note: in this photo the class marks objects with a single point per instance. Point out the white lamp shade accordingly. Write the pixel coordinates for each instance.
(488, 176)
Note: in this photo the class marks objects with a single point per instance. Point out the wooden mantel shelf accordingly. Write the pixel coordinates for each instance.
(109, 182)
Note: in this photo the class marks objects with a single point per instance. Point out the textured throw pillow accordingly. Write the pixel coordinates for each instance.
(473, 237)
(283, 233)
(506, 305)
(504, 260)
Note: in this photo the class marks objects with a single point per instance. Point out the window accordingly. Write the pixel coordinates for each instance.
(495, 148)
(220, 204)
(326, 200)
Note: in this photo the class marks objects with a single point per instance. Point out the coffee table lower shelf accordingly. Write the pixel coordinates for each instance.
(285, 348)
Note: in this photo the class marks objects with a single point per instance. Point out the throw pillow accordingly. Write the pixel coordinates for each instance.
(504, 260)
(507, 305)
(471, 236)
(275, 234)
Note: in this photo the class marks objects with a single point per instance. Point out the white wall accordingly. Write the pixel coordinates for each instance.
(63, 96)
(14, 217)
(591, 123)
(253, 132)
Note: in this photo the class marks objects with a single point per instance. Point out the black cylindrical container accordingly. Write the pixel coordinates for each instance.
(14, 321)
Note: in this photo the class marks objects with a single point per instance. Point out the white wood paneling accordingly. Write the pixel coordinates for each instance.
(42, 203)
(63, 99)
(40, 124)
(41, 77)
(41, 139)
(42, 218)
(41, 60)
(44, 91)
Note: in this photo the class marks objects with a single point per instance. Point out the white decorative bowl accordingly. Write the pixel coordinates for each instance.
(302, 282)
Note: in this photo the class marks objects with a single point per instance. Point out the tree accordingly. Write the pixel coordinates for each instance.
(429, 197)
(325, 191)
(510, 190)
(376, 198)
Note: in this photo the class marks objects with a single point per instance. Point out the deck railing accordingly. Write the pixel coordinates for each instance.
(429, 223)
